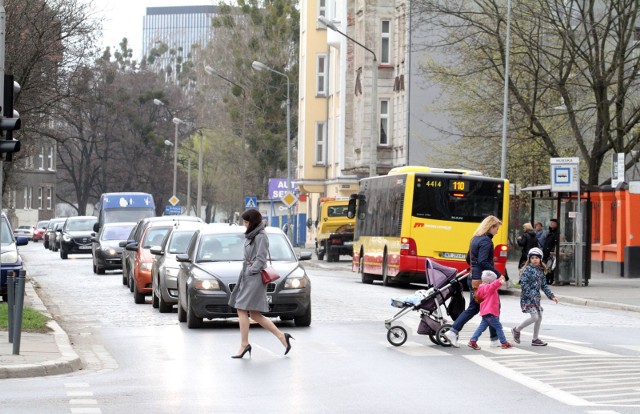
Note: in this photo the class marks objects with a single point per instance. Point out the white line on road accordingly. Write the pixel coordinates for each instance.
(79, 393)
(528, 382)
(83, 401)
(581, 350)
(85, 410)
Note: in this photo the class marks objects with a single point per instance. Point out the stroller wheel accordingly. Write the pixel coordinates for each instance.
(442, 340)
(434, 339)
(397, 335)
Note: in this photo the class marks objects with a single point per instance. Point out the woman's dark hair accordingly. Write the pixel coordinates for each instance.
(253, 217)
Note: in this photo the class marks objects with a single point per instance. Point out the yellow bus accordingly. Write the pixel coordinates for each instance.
(414, 213)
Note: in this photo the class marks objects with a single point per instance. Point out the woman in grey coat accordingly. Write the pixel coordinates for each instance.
(250, 294)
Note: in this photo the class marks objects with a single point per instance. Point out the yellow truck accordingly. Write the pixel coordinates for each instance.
(334, 236)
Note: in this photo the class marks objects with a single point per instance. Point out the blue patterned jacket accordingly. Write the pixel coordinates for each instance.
(532, 280)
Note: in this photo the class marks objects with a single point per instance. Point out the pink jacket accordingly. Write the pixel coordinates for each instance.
(488, 293)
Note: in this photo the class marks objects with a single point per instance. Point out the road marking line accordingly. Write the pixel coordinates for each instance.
(601, 412)
(412, 348)
(86, 401)
(538, 386)
(581, 350)
(79, 393)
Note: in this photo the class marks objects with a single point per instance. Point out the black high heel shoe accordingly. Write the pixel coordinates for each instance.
(246, 349)
(287, 337)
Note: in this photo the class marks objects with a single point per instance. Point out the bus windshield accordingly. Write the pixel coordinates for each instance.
(461, 199)
(113, 215)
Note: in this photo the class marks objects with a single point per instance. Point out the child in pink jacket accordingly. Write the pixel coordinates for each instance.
(489, 309)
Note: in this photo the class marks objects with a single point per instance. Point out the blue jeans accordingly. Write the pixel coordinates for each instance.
(493, 322)
(472, 310)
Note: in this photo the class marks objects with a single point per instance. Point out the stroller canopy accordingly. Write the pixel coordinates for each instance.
(439, 275)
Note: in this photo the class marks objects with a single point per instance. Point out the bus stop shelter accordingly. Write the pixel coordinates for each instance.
(573, 251)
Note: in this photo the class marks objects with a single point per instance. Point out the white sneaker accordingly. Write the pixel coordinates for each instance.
(496, 344)
(452, 338)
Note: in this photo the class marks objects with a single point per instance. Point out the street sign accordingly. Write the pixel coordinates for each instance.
(565, 175)
(251, 202)
(174, 200)
(617, 169)
(172, 210)
(289, 199)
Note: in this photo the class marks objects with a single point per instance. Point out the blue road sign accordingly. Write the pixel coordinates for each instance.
(251, 202)
(172, 210)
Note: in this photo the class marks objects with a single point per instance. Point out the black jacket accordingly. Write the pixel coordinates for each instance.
(481, 256)
(550, 243)
(528, 241)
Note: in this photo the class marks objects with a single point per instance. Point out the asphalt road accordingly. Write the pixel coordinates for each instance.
(138, 360)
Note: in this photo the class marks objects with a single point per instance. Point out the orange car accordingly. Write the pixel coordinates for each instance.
(153, 235)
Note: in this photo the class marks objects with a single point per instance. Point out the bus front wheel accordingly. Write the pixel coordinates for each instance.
(385, 271)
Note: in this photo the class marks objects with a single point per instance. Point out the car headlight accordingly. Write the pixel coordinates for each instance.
(66, 237)
(295, 283)
(110, 251)
(145, 266)
(9, 257)
(206, 284)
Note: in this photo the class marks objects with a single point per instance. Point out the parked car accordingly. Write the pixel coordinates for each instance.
(24, 231)
(40, 230)
(75, 236)
(164, 268)
(51, 233)
(209, 272)
(105, 247)
(11, 260)
(132, 264)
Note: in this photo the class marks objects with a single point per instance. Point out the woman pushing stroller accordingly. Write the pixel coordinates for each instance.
(481, 259)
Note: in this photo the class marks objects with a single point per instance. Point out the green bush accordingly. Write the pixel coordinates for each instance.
(32, 320)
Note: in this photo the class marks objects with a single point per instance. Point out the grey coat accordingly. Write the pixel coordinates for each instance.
(250, 293)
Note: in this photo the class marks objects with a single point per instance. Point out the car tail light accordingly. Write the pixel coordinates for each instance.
(408, 247)
(336, 241)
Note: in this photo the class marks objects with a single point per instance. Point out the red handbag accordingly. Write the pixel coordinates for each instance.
(269, 274)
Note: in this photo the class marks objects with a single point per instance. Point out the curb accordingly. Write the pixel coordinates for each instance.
(584, 302)
(65, 364)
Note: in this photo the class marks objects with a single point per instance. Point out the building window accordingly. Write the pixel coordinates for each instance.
(322, 8)
(321, 75)
(50, 158)
(40, 198)
(49, 197)
(41, 158)
(320, 142)
(384, 122)
(385, 43)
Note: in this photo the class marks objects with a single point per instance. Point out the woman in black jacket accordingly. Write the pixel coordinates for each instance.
(527, 241)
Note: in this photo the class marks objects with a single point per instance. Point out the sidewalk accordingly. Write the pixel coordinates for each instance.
(40, 354)
(52, 354)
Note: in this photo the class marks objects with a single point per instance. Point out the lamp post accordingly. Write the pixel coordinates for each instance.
(374, 96)
(211, 71)
(505, 102)
(177, 122)
(261, 66)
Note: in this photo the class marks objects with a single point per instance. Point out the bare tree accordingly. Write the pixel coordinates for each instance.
(574, 73)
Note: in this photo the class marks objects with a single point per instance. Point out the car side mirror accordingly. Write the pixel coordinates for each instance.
(58, 230)
(182, 258)
(305, 256)
(22, 241)
(157, 250)
(132, 247)
(96, 227)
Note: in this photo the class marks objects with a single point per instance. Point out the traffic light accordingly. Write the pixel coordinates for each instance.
(10, 120)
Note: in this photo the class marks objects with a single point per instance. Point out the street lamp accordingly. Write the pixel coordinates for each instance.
(374, 96)
(211, 71)
(261, 66)
(177, 122)
(505, 102)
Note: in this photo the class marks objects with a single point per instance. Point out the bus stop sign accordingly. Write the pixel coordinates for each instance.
(565, 176)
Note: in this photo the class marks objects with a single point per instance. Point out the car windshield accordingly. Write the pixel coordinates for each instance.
(80, 225)
(116, 232)
(7, 236)
(127, 214)
(154, 237)
(25, 227)
(180, 241)
(42, 224)
(230, 247)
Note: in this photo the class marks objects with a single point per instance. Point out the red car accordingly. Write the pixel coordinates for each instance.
(40, 230)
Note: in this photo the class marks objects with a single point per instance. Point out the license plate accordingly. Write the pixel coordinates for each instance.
(269, 298)
(84, 247)
(349, 243)
(448, 255)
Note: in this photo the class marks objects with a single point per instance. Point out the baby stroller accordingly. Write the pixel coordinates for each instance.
(443, 284)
